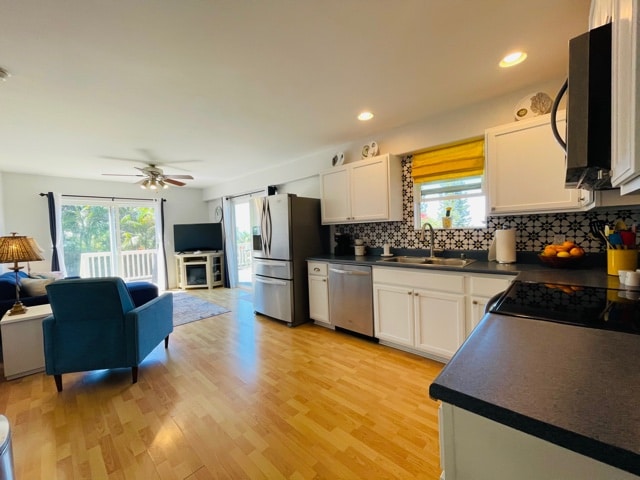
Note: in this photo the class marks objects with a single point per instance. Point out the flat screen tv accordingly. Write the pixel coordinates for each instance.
(191, 237)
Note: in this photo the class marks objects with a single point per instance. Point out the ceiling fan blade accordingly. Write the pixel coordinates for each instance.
(174, 182)
(184, 177)
(122, 175)
(123, 159)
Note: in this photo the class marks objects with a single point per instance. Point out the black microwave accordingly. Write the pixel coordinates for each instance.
(588, 130)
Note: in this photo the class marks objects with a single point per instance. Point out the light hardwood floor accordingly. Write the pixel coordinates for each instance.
(235, 396)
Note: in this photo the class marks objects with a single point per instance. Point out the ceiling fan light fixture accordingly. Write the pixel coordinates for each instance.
(364, 116)
(143, 185)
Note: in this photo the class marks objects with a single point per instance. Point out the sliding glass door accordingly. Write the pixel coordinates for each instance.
(242, 222)
(114, 238)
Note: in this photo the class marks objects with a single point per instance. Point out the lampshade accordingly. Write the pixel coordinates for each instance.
(15, 249)
(18, 248)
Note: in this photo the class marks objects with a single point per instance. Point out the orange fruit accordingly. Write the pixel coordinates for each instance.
(549, 251)
(568, 244)
(564, 254)
(576, 252)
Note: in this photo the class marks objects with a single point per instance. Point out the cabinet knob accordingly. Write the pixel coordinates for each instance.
(409, 293)
(416, 294)
(475, 302)
(324, 280)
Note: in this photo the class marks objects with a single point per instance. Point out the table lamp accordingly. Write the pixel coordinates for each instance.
(16, 249)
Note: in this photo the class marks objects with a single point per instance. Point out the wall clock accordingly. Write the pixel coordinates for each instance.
(218, 214)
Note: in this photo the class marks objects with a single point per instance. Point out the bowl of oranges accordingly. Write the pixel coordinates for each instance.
(564, 255)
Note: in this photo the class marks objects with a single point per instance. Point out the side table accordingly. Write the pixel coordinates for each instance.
(22, 346)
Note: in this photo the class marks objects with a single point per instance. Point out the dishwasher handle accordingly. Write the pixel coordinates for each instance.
(349, 272)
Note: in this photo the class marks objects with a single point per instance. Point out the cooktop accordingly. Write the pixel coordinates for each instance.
(603, 308)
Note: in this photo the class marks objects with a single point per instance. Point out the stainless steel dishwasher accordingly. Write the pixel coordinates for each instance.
(351, 298)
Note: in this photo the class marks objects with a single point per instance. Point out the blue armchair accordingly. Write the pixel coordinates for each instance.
(95, 325)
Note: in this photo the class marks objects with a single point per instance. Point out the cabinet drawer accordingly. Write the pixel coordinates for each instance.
(487, 286)
(443, 281)
(317, 268)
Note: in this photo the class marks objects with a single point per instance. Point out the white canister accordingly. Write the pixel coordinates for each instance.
(359, 250)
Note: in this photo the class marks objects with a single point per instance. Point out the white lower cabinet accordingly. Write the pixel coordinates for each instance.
(481, 288)
(473, 447)
(439, 322)
(430, 313)
(393, 308)
(420, 311)
(318, 292)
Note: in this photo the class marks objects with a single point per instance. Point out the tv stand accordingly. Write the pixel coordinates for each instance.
(201, 270)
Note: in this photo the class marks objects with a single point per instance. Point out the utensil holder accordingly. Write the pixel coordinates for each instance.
(619, 259)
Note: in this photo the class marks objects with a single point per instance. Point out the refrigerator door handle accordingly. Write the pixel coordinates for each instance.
(269, 227)
(265, 227)
(271, 263)
(269, 281)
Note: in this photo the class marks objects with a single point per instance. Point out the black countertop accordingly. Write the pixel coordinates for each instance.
(573, 386)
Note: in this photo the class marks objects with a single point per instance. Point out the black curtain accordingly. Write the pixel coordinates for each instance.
(53, 229)
(164, 251)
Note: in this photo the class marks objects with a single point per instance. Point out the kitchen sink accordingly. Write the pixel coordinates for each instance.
(430, 261)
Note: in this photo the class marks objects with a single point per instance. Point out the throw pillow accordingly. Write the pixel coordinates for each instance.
(34, 287)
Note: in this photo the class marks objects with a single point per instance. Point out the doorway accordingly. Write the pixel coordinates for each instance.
(242, 221)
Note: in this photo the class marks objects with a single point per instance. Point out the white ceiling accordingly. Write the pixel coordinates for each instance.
(232, 86)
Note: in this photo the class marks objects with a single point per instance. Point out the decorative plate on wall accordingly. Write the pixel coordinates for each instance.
(369, 150)
(373, 149)
(338, 159)
(533, 105)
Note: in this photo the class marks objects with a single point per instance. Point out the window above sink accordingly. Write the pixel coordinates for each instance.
(448, 182)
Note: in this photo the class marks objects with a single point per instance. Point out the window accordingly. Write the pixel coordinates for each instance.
(463, 196)
(448, 179)
(110, 239)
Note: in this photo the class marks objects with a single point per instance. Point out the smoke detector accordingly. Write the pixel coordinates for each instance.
(4, 74)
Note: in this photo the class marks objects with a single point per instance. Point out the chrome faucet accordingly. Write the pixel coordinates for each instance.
(431, 237)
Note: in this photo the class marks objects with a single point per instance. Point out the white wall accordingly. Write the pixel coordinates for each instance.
(25, 211)
(443, 128)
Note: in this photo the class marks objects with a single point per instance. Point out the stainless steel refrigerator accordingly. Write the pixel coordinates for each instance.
(286, 231)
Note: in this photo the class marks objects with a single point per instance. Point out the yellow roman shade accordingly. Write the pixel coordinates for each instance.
(453, 160)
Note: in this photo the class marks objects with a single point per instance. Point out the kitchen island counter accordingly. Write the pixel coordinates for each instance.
(573, 386)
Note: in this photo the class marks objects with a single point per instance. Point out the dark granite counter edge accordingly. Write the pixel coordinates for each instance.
(603, 452)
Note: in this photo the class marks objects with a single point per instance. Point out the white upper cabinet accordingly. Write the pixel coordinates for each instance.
(526, 170)
(365, 191)
(625, 141)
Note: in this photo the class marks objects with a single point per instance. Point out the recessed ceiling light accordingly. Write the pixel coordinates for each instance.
(513, 59)
(365, 116)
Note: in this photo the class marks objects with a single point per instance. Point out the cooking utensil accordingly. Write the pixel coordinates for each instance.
(615, 240)
(628, 238)
(597, 231)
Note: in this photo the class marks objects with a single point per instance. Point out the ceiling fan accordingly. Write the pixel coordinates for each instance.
(154, 177)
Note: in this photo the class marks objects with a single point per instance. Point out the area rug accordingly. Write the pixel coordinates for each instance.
(187, 309)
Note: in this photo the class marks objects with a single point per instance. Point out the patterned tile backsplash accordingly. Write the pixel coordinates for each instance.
(533, 232)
